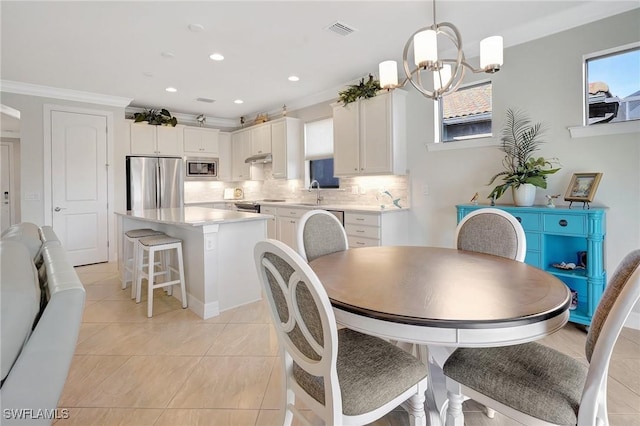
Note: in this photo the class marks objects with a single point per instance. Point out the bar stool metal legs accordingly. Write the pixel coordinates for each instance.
(161, 244)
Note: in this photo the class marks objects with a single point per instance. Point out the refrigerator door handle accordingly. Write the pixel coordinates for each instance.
(158, 185)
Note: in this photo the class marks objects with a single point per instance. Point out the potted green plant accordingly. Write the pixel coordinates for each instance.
(362, 90)
(157, 117)
(523, 171)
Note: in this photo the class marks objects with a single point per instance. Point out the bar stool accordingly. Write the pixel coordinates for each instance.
(161, 244)
(130, 251)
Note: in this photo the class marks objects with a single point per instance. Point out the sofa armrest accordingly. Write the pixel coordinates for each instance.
(38, 376)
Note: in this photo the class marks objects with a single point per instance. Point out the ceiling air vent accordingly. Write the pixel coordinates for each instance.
(206, 100)
(340, 28)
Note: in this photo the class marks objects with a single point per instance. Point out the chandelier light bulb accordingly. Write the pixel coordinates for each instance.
(491, 54)
(441, 77)
(388, 71)
(425, 48)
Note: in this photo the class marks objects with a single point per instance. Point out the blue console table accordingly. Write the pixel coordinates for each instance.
(560, 234)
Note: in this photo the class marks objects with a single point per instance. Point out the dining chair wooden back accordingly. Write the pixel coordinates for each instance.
(537, 385)
(319, 233)
(492, 231)
(343, 376)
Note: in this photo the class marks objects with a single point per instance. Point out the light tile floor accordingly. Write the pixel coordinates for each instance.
(177, 369)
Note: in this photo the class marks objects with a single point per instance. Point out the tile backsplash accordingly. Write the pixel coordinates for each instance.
(361, 190)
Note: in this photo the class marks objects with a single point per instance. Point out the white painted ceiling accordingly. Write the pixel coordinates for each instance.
(115, 48)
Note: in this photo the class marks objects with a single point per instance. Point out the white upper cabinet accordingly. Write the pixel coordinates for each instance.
(285, 148)
(200, 141)
(369, 136)
(240, 150)
(261, 139)
(224, 157)
(147, 139)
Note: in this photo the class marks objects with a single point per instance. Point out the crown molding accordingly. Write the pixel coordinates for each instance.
(66, 94)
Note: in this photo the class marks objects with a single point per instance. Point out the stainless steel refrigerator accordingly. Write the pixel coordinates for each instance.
(154, 182)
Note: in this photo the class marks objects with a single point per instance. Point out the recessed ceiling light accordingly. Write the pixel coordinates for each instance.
(216, 57)
(171, 89)
(196, 28)
(167, 54)
(294, 78)
(147, 74)
(238, 101)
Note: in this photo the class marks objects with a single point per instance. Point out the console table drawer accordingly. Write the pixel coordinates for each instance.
(362, 231)
(533, 241)
(529, 221)
(565, 224)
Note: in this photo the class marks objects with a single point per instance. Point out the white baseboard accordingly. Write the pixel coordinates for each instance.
(633, 321)
(203, 311)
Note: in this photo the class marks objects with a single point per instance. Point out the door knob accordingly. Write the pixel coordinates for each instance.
(59, 208)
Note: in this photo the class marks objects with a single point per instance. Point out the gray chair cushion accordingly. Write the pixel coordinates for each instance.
(371, 373)
(489, 233)
(322, 235)
(620, 277)
(530, 378)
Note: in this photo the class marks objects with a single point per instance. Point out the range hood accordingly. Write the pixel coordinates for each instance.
(260, 158)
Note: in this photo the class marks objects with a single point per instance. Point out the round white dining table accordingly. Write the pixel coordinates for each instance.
(442, 299)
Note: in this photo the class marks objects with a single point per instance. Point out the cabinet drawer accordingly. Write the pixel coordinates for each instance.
(362, 219)
(533, 258)
(268, 210)
(529, 221)
(533, 241)
(565, 224)
(362, 231)
(290, 212)
(355, 242)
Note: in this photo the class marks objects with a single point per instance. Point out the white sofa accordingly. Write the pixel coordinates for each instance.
(42, 301)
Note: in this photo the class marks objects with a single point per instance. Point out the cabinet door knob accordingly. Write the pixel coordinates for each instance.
(563, 222)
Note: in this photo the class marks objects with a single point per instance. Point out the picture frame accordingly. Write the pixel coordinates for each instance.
(583, 187)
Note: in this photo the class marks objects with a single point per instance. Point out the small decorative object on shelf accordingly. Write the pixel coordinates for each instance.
(261, 118)
(242, 121)
(361, 90)
(201, 119)
(474, 199)
(523, 172)
(550, 199)
(156, 117)
(574, 300)
(284, 110)
(582, 188)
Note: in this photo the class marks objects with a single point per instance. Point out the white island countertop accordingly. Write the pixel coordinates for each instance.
(193, 216)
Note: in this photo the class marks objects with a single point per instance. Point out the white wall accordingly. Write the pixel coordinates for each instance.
(544, 78)
(32, 153)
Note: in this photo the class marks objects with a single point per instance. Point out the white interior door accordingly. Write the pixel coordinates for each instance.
(6, 218)
(79, 185)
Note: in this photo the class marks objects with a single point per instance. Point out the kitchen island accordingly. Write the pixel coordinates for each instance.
(217, 248)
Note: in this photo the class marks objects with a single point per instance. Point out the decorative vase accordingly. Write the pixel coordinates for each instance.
(524, 195)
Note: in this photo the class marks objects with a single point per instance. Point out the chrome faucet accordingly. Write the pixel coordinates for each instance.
(318, 197)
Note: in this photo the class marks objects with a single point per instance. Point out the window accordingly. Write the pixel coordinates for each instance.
(612, 85)
(318, 143)
(466, 113)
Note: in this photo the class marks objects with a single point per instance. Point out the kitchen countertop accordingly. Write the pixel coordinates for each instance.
(193, 216)
(296, 204)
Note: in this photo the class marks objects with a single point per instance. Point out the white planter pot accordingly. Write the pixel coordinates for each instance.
(524, 195)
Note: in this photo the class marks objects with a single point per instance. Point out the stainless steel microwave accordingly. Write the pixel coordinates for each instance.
(201, 168)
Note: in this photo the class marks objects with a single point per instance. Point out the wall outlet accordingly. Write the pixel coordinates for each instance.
(210, 242)
(32, 196)
(354, 189)
(363, 190)
(425, 189)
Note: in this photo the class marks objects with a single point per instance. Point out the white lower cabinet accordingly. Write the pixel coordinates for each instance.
(271, 223)
(287, 220)
(376, 229)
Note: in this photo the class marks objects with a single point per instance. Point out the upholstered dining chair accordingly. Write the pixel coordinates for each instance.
(319, 233)
(343, 376)
(492, 231)
(537, 385)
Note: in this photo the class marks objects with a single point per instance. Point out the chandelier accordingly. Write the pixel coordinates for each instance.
(446, 74)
